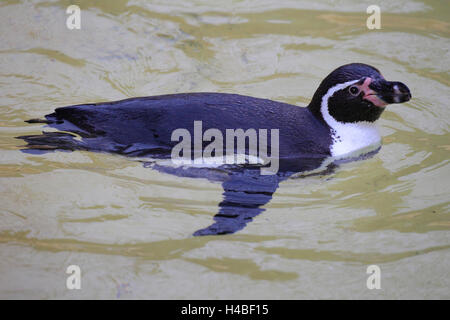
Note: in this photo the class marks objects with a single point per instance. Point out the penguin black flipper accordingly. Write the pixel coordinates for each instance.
(245, 191)
(244, 194)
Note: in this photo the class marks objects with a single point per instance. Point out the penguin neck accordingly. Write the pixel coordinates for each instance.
(315, 106)
(354, 138)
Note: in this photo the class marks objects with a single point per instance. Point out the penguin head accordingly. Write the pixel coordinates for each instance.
(356, 93)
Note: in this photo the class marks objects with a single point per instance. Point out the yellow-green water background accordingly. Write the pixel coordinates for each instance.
(130, 228)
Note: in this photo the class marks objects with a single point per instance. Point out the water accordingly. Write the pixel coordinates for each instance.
(130, 228)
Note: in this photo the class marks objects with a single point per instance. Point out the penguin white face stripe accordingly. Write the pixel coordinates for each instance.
(324, 104)
(348, 137)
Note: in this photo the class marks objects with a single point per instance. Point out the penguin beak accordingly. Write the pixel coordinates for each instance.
(381, 92)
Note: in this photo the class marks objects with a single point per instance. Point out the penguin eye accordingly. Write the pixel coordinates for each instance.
(354, 90)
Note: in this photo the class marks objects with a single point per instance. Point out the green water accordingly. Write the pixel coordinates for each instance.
(130, 228)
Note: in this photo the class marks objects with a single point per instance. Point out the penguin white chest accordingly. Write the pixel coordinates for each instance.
(350, 137)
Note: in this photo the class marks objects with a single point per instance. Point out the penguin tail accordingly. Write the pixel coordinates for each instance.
(52, 141)
(39, 121)
(49, 119)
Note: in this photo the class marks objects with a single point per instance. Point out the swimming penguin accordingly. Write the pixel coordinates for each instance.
(339, 121)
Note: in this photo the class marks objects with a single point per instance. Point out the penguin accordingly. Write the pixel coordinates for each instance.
(339, 124)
